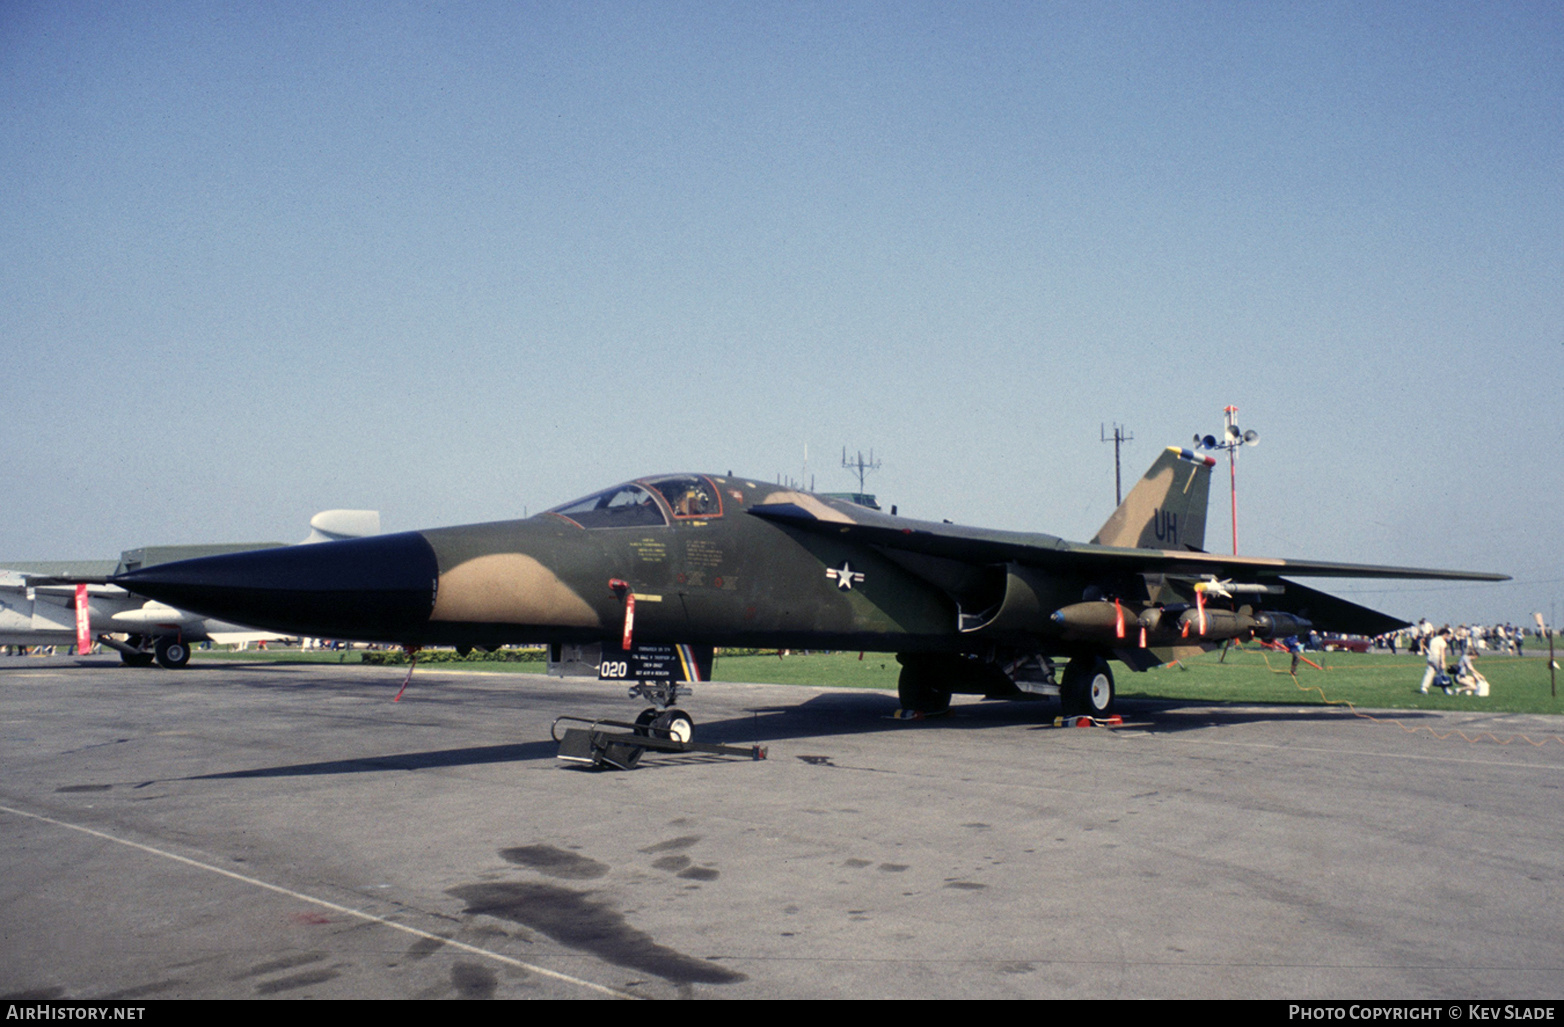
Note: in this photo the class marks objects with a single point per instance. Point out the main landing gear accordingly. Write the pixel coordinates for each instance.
(928, 679)
(172, 653)
(923, 685)
(1087, 688)
(139, 650)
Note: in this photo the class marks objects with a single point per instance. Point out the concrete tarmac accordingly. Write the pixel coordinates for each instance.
(251, 829)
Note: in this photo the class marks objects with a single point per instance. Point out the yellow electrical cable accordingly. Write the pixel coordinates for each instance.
(1457, 732)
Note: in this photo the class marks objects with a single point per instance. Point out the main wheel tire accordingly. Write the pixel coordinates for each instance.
(918, 690)
(136, 659)
(1087, 689)
(172, 653)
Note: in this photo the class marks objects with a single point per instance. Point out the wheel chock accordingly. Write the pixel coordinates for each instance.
(1113, 720)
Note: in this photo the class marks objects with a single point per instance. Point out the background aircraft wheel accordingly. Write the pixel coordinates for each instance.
(678, 724)
(172, 653)
(137, 659)
(917, 689)
(1087, 688)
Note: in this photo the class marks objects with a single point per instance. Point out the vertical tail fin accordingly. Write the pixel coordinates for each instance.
(1167, 508)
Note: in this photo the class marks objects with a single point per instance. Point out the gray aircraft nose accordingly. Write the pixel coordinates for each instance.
(370, 589)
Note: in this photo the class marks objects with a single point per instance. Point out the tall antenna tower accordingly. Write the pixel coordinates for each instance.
(1120, 436)
(860, 466)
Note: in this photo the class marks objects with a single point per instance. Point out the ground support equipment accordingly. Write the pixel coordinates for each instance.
(598, 748)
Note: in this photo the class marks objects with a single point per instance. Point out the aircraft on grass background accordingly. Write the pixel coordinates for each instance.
(658, 571)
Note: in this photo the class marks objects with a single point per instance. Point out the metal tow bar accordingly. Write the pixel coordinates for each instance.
(596, 747)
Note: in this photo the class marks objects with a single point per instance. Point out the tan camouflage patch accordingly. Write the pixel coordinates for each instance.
(805, 501)
(509, 588)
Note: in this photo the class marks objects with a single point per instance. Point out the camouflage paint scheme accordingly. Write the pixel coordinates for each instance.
(722, 561)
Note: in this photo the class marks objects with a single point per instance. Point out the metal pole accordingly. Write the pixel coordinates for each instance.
(1553, 673)
(1120, 436)
(1232, 438)
(1232, 468)
(1232, 477)
(1118, 481)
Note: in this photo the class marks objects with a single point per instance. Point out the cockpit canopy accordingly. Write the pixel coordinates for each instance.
(647, 502)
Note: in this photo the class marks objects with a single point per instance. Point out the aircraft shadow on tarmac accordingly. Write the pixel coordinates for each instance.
(765, 724)
(430, 760)
(1161, 716)
(833, 715)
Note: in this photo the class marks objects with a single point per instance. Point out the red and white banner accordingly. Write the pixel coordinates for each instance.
(83, 622)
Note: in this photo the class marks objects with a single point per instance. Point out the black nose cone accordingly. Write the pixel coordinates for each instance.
(369, 589)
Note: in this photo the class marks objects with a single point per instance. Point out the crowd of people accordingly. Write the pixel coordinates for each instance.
(1464, 642)
(1491, 638)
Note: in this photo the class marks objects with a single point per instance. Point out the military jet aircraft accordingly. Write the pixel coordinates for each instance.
(677, 564)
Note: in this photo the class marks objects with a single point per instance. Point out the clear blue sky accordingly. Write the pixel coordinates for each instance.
(456, 261)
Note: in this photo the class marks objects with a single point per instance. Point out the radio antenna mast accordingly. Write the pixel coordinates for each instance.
(1120, 436)
(860, 466)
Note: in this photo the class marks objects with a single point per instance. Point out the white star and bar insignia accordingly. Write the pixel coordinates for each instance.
(844, 576)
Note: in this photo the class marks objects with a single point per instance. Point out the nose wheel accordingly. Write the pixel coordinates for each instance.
(674, 724)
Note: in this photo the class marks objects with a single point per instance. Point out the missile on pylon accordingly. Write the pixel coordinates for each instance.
(1157, 625)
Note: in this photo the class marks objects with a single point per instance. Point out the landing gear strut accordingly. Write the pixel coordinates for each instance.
(133, 651)
(663, 714)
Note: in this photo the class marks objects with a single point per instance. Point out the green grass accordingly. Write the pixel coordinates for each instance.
(1246, 676)
(832, 670)
(438, 659)
(277, 654)
(1376, 680)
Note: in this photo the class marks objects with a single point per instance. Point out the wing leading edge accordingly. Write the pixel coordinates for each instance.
(1048, 552)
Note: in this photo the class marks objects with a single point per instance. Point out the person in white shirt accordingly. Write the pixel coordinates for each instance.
(1436, 660)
